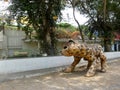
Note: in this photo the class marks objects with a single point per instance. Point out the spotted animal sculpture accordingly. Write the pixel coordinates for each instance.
(89, 52)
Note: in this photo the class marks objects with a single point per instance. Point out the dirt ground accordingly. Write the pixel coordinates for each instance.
(69, 81)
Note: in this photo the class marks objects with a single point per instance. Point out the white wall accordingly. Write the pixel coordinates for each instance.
(27, 64)
(112, 55)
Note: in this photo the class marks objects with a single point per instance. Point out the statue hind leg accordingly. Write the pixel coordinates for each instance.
(103, 62)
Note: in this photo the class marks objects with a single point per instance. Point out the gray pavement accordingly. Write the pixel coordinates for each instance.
(68, 81)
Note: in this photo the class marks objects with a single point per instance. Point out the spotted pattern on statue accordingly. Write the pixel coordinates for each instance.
(93, 53)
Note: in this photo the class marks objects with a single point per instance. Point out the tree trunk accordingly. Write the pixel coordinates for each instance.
(107, 46)
(49, 42)
(53, 42)
(78, 25)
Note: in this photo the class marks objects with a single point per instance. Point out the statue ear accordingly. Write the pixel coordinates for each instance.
(71, 41)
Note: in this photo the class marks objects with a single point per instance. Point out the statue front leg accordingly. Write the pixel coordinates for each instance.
(91, 70)
(72, 66)
(89, 64)
(103, 63)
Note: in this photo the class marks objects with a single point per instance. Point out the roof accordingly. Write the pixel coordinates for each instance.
(117, 36)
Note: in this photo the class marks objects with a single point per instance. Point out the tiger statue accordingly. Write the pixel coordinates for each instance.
(92, 53)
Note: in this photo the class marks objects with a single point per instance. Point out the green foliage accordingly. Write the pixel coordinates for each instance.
(65, 30)
(103, 17)
(67, 27)
(62, 33)
(85, 30)
(40, 15)
(11, 27)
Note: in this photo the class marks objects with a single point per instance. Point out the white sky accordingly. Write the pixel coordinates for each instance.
(3, 7)
(68, 17)
(67, 14)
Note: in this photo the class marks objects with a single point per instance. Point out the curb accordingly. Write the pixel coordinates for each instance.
(34, 73)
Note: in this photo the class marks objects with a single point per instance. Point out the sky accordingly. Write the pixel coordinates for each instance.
(68, 17)
(3, 6)
(67, 14)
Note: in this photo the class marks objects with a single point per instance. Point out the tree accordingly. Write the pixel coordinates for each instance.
(73, 4)
(102, 18)
(42, 15)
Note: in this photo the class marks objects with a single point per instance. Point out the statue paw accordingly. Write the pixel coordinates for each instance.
(103, 70)
(90, 74)
(68, 70)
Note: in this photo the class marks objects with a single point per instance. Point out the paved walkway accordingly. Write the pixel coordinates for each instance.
(69, 81)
